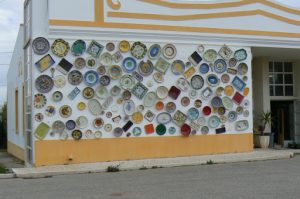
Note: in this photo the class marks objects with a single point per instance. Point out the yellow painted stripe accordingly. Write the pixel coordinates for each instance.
(83, 151)
(15, 150)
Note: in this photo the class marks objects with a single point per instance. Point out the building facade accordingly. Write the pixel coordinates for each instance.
(115, 80)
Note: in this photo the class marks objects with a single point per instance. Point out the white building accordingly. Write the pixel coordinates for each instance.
(212, 55)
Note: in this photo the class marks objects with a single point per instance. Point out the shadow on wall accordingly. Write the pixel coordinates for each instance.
(3, 127)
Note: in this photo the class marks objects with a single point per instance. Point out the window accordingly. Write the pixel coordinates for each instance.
(281, 78)
(17, 110)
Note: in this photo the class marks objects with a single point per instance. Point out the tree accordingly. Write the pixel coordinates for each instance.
(3, 127)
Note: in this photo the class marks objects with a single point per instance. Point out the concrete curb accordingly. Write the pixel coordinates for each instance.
(7, 176)
(49, 171)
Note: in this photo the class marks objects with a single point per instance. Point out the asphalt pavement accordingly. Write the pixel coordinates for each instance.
(276, 179)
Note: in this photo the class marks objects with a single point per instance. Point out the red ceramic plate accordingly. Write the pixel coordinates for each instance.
(206, 110)
(185, 130)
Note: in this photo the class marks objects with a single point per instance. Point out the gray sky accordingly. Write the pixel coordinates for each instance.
(10, 18)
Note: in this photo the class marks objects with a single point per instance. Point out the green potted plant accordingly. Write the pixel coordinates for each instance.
(266, 120)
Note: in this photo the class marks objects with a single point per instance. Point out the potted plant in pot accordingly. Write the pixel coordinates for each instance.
(264, 138)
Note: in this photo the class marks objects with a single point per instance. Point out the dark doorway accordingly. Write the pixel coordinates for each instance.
(283, 121)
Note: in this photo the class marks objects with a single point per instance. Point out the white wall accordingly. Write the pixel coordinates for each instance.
(14, 81)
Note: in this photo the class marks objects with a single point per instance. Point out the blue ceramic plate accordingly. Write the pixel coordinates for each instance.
(91, 78)
(154, 51)
(204, 68)
(78, 47)
(193, 114)
(213, 80)
(238, 84)
(240, 55)
(220, 66)
(129, 64)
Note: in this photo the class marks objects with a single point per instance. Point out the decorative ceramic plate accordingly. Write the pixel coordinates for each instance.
(197, 82)
(210, 55)
(57, 96)
(225, 78)
(169, 51)
(149, 116)
(219, 91)
(44, 84)
(170, 107)
(98, 134)
(95, 49)
(178, 67)
(137, 117)
(39, 117)
(139, 90)
(242, 69)
(65, 111)
(161, 129)
(91, 78)
(41, 131)
(212, 80)
(137, 131)
(198, 103)
(78, 47)
(204, 130)
(138, 50)
(80, 63)
(110, 46)
(75, 77)
(206, 93)
(129, 107)
(193, 94)
(108, 127)
(225, 52)
(227, 103)
(201, 121)
(60, 81)
(204, 68)
(104, 80)
(154, 51)
(60, 47)
(40, 100)
(172, 130)
(163, 118)
(106, 59)
(220, 66)
(126, 95)
(88, 93)
(246, 103)
(98, 123)
(159, 105)
(213, 121)
(40, 45)
(200, 48)
(82, 122)
(101, 70)
(129, 64)
(246, 113)
(232, 62)
(240, 55)
(70, 125)
(185, 130)
(76, 134)
(81, 106)
(150, 99)
(206, 110)
(245, 78)
(115, 90)
(50, 111)
(183, 84)
(73, 94)
(91, 62)
(216, 102)
(58, 126)
(232, 116)
(239, 110)
(238, 84)
(137, 76)
(95, 107)
(185, 101)
(242, 125)
(44, 63)
(127, 82)
(229, 90)
(158, 77)
(124, 46)
(115, 72)
(238, 98)
(179, 118)
(193, 114)
(146, 68)
(101, 92)
(162, 65)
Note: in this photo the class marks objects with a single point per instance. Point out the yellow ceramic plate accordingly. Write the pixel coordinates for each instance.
(137, 117)
(124, 46)
(60, 47)
(246, 91)
(81, 106)
(229, 90)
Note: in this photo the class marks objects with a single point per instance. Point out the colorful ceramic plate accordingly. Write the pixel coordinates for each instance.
(76, 134)
(115, 72)
(162, 65)
(70, 125)
(232, 62)
(198, 103)
(179, 118)
(150, 99)
(178, 67)
(204, 68)
(106, 59)
(129, 64)
(242, 69)
(139, 90)
(225, 78)
(115, 90)
(206, 110)
(212, 80)
(213, 121)
(219, 91)
(238, 84)
(138, 50)
(154, 51)
(242, 125)
(60, 81)
(137, 117)
(101, 70)
(216, 102)
(232, 116)
(220, 66)
(210, 55)
(78, 47)
(88, 93)
(95, 49)
(65, 111)
(162, 92)
(240, 55)
(137, 131)
(75, 77)
(91, 78)
(129, 107)
(44, 84)
(124, 46)
(39, 117)
(40, 100)
(50, 111)
(80, 63)
(225, 52)
(172, 130)
(60, 47)
(170, 107)
(164, 118)
(197, 82)
(81, 106)
(204, 130)
(41, 131)
(44, 63)
(110, 46)
(185, 101)
(127, 82)
(169, 51)
(91, 62)
(58, 126)
(146, 68)
(229, 90)
(40, 45)
(95, 107)
(161, 129)
(227, 103)
(193, 114)
(185, 130)
(206, 93)
(104, 80)
(98, 123)
(57, 96)
(158, 77)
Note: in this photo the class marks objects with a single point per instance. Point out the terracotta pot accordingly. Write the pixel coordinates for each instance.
(264, 141)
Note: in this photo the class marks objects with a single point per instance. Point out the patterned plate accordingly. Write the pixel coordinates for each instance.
(193, 114)
(60, 47)
(95, 49)
(139, 90)
(110, 46)
(115, 72)
(95, 107)
(101, 92)
(44, 63)
(225, 52)
(88, 93)
(242, 69)
(206, 93)
(80, 63)
(220, 66)
(40, 45)
(204, 68)
(146, 68)
(70, 125)
(240, 55)
(44, 83)
(78, 47)
(129, 64)
(229, 90)
(75, 77)
(213, 80)
(227, 103)
(106, 59)
(154, 51)
(169, 51)
(210, 55)
(40, 100)
(197, 82)
(150, 99)
(124, 46)
(65, 111)
(91, 78)
(164, 118)
(238, 83)
(213, 121)
(76, 134)
(138, 50)
(178, 67)
(127, 82)
(204, 130)
(104, 80)
(232, 62)
(91, 62)
(232, 116)
(216, 102)
(57, 96)
(225, 78)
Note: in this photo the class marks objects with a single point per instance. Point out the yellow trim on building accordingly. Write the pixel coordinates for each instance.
(70, 152)
(15, 150)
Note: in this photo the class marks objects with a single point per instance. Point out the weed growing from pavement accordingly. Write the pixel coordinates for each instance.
(3, 169)
(210, 162)
(113, 168)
